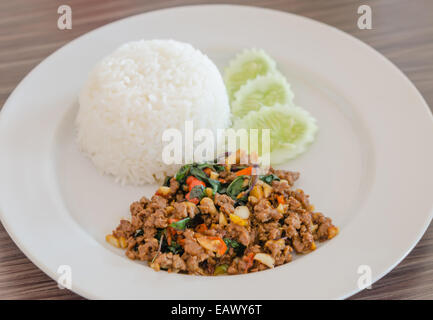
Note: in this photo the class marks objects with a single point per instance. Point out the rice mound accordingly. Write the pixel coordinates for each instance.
(134, 94)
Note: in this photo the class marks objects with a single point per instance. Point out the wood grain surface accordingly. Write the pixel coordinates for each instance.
(402, 31)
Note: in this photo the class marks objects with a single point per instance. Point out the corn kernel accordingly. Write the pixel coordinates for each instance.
(112, 240)
(163, 191)
(257, 192)
(123, 243)
(239, 221)
(313, 246)
(332, 232)
(209, 192)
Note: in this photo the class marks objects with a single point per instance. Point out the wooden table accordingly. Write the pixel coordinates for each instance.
(402, 31)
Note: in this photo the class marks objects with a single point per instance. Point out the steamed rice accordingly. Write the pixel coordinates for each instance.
(137, 92)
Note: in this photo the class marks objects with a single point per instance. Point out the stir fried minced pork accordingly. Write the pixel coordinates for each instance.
(213, 219)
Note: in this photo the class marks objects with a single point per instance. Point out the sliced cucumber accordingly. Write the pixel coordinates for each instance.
(292, 129)
(245, 66)
(267, 90)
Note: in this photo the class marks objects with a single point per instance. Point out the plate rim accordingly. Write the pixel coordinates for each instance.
(8, 105)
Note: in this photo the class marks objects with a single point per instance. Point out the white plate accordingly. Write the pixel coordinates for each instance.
(370, 168)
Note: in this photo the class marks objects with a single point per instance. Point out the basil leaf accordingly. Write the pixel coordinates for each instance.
(242, 201)
(231, 243)
(239, 248)
(180, 225)
(214, 166)
(197, 192)
(216, 185)
(199, 174)
(205, 165)
(236, 187)
(175, 248)
(219, 168)
(269, 178)
(238, 167)
(183, 173)
(222, 190)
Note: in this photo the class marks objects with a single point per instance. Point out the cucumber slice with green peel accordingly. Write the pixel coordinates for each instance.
(267, 90)
(292, 129)
(245, 66)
